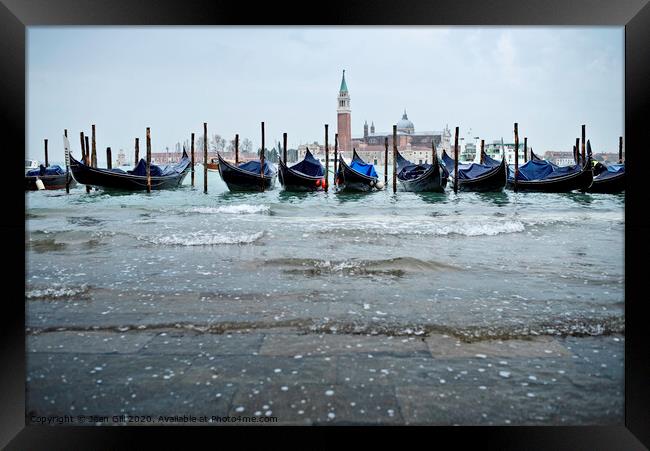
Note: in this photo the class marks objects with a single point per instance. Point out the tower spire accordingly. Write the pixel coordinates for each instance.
(344, 86)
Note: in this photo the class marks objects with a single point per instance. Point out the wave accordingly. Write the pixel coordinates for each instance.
(398, 266)
(591, 327)
(242, 209)
(57, 291)
(407, 226)
(573, 327)
(203, 239)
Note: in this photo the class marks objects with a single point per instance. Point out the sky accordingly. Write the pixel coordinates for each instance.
(482, 79)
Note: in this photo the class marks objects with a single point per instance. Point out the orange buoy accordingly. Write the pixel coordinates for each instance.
(318, 182)
(324, 184)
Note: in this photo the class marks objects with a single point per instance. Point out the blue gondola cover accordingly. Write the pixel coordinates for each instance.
(42, 170)
(157, 171)
(254, 167)
(612, 170)
(471, 170)
(309, 166)
(542, 170)
(364, 168)
(489, 161)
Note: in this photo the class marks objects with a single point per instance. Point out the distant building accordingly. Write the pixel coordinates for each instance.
(121, 158)
(561, 158)
(495, 148)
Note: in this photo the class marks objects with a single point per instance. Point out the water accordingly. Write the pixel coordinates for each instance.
(473, 265)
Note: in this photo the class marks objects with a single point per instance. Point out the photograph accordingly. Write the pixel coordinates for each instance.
(325, 225)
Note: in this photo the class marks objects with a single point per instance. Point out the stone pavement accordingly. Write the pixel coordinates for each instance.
(323, 378)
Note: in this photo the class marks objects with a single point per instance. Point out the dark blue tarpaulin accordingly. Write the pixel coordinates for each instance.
(309, 166)
(542, 170)
(489, 161)
(467, 171)
(408, 170)
(611, 171)
(473, 170)
(42, 170)
(157, 171)
(255, 166)
(363, 168)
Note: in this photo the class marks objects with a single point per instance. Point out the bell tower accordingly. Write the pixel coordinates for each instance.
(344, 128)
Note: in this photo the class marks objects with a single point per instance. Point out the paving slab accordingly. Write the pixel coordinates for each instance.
(448, 346)
(181, 342)
(308, 403)
(333, 344)
(87, 342)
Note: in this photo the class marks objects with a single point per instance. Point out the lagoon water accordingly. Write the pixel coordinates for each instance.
(374, 308)
(474, 265)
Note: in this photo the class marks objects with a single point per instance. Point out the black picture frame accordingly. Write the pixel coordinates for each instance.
(16, 15)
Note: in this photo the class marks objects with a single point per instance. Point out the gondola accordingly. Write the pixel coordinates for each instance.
(607, 178)
(421, 177)
(53, 177)
(165, 177)
(542, 175)
(357, 176)
(485, 177)
(308, 175)
(246, 176)
(213, 165)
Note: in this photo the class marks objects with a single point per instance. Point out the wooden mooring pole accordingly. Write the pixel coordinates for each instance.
(385, 162)
(394, 158)
(109, 162)
(85, 154)
(336, 156)
(456, 161)
(148, 160)
(482, 160)
(67, 166)
(620, 149)
(46, 159)
(526, 150)
(93, 156)
(262, 160)
(284, 147)
(192, 158)
(327, 159)
(584, 143)
(83, 149)
(237, 150)
(205, 158)
(516, 154)
(136, 160)
(576, 154)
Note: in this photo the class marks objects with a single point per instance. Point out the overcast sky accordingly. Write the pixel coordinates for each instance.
(172, 79)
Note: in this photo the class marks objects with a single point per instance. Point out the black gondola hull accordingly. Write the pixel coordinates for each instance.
(580, 181)
(295, 181)
(347, 179)
(610, 185)
(50, 182)
(103, 178)
(431, 181)
(239, 180)
(493, 181)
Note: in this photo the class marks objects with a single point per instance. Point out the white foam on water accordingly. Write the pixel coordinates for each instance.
(204, 239)
(56, 292)
(243, 209)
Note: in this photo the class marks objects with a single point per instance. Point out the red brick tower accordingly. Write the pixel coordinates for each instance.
(344, 119)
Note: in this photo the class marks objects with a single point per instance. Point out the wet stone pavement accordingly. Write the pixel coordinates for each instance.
(307, 378)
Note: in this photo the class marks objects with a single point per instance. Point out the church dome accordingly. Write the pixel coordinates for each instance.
(404, 125)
